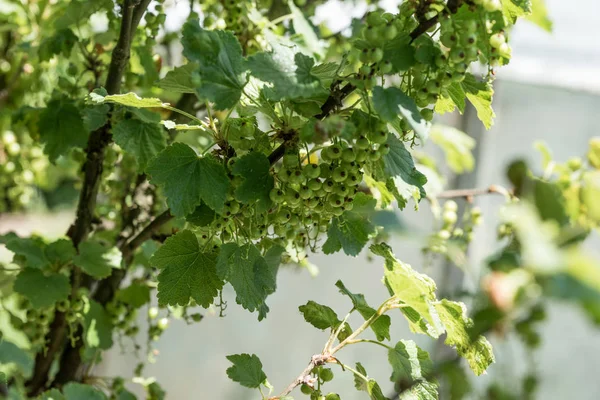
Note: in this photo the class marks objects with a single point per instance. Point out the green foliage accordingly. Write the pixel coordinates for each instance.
(186, 271)
(221, 66)
(96, 259)
(188, 179)
(246, 370)
(61, 127)
(269, 141)
(42, 290)
(143, 140)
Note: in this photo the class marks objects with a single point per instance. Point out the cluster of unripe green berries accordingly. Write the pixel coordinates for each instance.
(154, 20)
(73, 308)
(123, 317)
(37, 324)
(306, 196)
(322, 376)
(450, 231)
(157, 325)
(232, 15)
(18, 171)
(379, 29)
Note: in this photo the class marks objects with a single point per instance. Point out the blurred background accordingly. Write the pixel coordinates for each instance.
(549, 92)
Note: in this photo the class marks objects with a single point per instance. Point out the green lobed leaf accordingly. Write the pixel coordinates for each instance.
(95, 117)
(42, 290)
(539, 15)
(77, 11)
(400, 53)
(399, 163)
(52, 394)
(143, 140)
(289, 73)
(78, 391)
(416, 290)
(480, 94)
(10, 353)
(455, 98)
(421, 390)
(32, 249)
(127, 99)
(97, 326)
(391, 102)
(250, 275)
(179, 79)
(145, 55)
(146, 115)
(257, 180)
(305, 29)
(202, 215)
(352, 230)
(319, 316)
(187, 179)
(61, 127)
(136, 295)
(96, 259)
(457, 147)
(61, 42)
(428, 315)
(514, 9)
(381, 326)
(246, 370)
(221, 66)
(477, 352)
(186, 271)
(60, 252)
(409, 362)
(325, 71)
(369, 385)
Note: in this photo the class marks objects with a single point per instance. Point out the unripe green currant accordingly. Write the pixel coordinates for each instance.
(376, 54)
(362, 143)
(297, 176)
(326, 374)
(384, 149)
(450, 205)
(152, 312)
(390, 32)
(329, 185)
(379, 137)
(340, 174)
(444, 234)
(348, 154)
(292, 197)
(311, 171)
(334, 151)
(276, 195)
(449, 218)
(427, 114)
(314, 184)
(497, 39)
(385, 67)
(362, 155)
(449, 40)
(305, 192)
(163, 324)
(305, 389)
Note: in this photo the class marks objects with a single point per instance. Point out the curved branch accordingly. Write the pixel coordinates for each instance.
(470, 193)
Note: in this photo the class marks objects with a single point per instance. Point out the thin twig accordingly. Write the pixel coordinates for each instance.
(470, 193)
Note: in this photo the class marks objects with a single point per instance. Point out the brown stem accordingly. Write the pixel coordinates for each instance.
(315, 361)
(470, 193)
